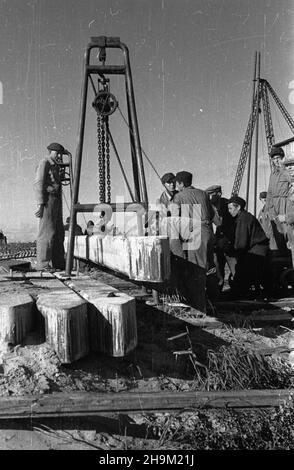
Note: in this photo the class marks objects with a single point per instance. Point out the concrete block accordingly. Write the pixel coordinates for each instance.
(150, 258)
(16, 317)
(140, 258)
(66, 323)
(112, 317)
(112, 252)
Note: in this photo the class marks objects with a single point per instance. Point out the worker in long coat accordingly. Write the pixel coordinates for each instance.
(264, 219)
(276, 200)
(186, 203)
(287, 219)
(47, 186)
(250, 247)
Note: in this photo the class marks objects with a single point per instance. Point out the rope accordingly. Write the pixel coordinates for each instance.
(143, 151)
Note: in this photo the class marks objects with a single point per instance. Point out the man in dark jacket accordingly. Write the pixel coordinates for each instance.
(224, 223)
(47, 185)
(200, 272)
(287, 219)
(250, 247)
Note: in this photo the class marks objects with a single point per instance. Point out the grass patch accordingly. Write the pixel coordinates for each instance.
(221, 429)
(234, 368)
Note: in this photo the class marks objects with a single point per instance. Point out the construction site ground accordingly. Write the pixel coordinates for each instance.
(201, 358)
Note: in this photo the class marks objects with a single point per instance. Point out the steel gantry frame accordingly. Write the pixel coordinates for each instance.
(261, 91)
(103, 101)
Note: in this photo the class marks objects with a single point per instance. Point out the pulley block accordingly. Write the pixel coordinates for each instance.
(105, 103)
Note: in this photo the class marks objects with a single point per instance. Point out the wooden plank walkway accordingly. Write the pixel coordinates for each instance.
(89, 403)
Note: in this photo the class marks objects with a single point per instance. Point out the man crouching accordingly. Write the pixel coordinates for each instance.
(250, 247)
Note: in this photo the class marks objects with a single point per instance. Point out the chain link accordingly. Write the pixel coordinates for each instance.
(108, 181)
(101, 163)
(103, 156)
(103, 160)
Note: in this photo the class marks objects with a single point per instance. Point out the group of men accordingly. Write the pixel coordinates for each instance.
(227, 233)
(233, 236)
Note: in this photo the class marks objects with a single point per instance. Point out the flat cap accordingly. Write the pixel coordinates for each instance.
(184, 177)
(213, 189)
(57, 147)
(276, 151)
(167, 178)
(263, 194)
(237, 200)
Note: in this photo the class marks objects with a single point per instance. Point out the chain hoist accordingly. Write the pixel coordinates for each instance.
(104, 104)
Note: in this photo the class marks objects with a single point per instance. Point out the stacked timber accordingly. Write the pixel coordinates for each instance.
(112, 317)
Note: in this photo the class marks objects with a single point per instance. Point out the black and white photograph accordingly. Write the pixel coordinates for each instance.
(147, 229)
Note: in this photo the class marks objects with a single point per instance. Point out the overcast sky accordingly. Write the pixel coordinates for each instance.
(192, 66)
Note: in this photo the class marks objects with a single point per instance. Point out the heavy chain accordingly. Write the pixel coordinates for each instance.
(101, 157)
(108, 181)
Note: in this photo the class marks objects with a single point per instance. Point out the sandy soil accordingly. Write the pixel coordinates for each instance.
(34, 368)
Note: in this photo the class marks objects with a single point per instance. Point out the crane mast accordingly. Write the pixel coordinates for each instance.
(260, 103)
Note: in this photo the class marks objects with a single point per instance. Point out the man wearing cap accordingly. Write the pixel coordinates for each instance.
(47, 186)
(250, 247)
(215, 195)
(224, 228)
(168, 180)
(276, 199)
(287, 219)
(190, 202)
(78, 228)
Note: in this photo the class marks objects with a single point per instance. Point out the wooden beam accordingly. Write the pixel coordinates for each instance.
(90, 403)
(253, 305)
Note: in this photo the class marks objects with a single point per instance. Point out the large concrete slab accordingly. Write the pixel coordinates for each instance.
(66, 320)
(112, 316)
(16, 317)
(140, 258)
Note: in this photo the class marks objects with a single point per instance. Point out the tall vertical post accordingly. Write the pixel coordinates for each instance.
(256, 135)
(252, 124)
(134, 124)
(137, 190)
(77, 172)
